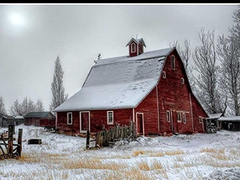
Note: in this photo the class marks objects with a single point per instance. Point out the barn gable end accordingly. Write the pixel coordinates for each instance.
(171, 106)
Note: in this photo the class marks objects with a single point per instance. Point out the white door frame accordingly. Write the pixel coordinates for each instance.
(80, 121)
(142, 121)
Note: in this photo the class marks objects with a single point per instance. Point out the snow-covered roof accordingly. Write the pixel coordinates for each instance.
(37, 114)
(214, 116)
(120, 82)
(229, 118)
(137, 41)
(19, 117)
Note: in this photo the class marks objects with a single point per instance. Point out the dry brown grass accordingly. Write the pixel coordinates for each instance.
(138, 152)
(143, 165)
(211, 150)
(174, 152)
(148, 153)
(156, 164)
(91, 163)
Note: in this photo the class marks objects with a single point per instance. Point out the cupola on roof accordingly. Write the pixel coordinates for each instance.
(136, 46)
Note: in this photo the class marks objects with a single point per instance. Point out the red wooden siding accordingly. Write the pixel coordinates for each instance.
(98, 118)
(149, 109)
(175, 97)
(172, 94)
(131, 52)
(39, 122)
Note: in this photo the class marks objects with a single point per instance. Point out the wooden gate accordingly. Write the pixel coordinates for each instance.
(7, 148)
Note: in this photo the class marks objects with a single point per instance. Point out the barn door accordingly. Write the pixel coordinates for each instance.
(84, 121)
(140, 123)
(174, 121)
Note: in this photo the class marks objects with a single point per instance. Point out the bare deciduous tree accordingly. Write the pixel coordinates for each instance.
(2, 107)
(229, 55)
(39, 106)
(58, 96)
(16, 109)
(205, 60)
(25, 107)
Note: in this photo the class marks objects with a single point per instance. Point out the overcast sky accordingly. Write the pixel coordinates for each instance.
(33, 35)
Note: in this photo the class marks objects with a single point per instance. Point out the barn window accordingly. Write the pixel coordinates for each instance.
(133, 47)
(173, 62)
(200, 120)
(184, 119)
(179, 117)
(110, 118)
(69, 118)
(168, 116)
(182, 80)
(164, 74)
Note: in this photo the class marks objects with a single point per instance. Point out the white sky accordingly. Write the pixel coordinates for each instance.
(33, 35)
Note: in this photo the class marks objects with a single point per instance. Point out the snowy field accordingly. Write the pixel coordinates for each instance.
(179, 157)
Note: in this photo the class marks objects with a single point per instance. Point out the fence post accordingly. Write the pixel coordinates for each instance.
(133, 130)
(10, 141)
(19, 149)
(87, 139)
(97, 140)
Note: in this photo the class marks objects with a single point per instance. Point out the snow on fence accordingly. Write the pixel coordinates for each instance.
(108, 137)
(6, 144)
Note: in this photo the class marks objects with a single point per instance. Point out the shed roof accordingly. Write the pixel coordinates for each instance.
(120, 82)
(37, 114)
(230, 118)
(214, 116)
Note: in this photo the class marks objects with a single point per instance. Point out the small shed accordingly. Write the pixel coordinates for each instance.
(18, 120)
(213, 118)
(6, 120)
(42, 119)
(231, 123)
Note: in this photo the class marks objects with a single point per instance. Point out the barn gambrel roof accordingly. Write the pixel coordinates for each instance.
(118, 83)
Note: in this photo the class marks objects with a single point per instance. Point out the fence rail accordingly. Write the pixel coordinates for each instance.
(108, 137)
(7, 148)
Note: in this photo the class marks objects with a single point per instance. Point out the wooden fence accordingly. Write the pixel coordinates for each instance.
(108, 137)
(7, 148)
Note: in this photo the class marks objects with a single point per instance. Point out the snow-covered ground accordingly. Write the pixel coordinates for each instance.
(179, 157)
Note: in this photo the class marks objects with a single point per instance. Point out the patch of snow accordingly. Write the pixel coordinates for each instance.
(179, 157)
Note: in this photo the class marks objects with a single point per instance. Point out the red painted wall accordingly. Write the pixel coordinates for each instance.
(132, 53)
(149, 109)
(170, 94)
(98, 118)
(39, 122)
(173, 96)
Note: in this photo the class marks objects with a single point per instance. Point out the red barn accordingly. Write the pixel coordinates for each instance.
(150, 88)
(43, 119)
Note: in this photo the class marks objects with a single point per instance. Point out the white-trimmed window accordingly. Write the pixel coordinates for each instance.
(184, 119)
(133, 48)
(182, 80)
(173, 62)
(168, 116)
(69, 118)
(200, 120)
(179, 118)
(164, 74)
(110, 117)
